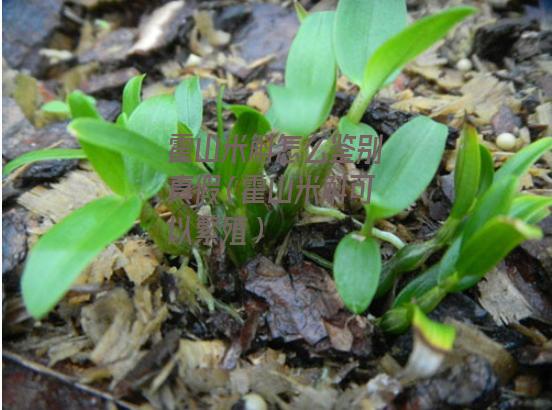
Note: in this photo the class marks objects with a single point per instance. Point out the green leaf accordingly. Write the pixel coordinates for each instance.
(400, 49)
(466, 172)
(447, 265)
(154, 119)
(42, 155)
(82, 105)
(304, 103)
(520, 163)
(56, 107)
(132, 93)
(220, 120)
(189, 103)
(530, 208)
(496, 201)
(361, 26)
(417, 287)
(438, 335)
(121, 140)
(347, 127)
(109, 165)
(248, 124)
(487, 170)
(68, 247)
(409, 160)
(356, 268)
(489, 246)
(302, 14)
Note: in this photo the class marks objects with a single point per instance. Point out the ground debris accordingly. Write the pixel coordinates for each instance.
(161, 27)
(471, 383)
(72, 192)
(119, 326)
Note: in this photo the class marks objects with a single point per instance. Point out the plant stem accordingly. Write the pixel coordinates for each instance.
(359, 106)
(158, 229)
(326, 212)
(388, 237)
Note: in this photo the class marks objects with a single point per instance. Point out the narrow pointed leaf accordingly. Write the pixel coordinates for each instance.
(402, 48)
(489, 246)
(132, 144)
(496, 201)
(418, 286)
(361, 26)
(530, 208)
(520, 163)
(68, 247)
(356, 268)
(132, 94)
(300, 11)
(487, 170)
(42, 155)
(466, 172)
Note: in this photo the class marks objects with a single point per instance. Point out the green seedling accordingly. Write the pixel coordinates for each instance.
(131, 156)
(485, 224)
(368, 42)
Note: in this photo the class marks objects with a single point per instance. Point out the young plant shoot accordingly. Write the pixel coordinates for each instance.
(367, 41)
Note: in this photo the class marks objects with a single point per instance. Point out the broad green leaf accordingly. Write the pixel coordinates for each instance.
(530, 208)
(189, 103)
(402, 48)
(409, 160)
(42, 155)
(347, 127)
(496, 201)
(487, 170)
(68, 247)
(109, 165)
(489, 246)
(466, 172)
(520, 163)
(356, 268)
(438, 335)
(155, 119)
(417, 287)
(132, 94)
(361, 26)
(304, 103)
(56, 107)
(120, 140)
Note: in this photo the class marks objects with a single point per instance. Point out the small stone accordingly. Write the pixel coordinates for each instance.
(253, 401)
(464, 65)
(506, 141)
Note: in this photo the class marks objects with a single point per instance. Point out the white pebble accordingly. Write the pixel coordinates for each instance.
(506, 141)
(253, 401)
(464, 65)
